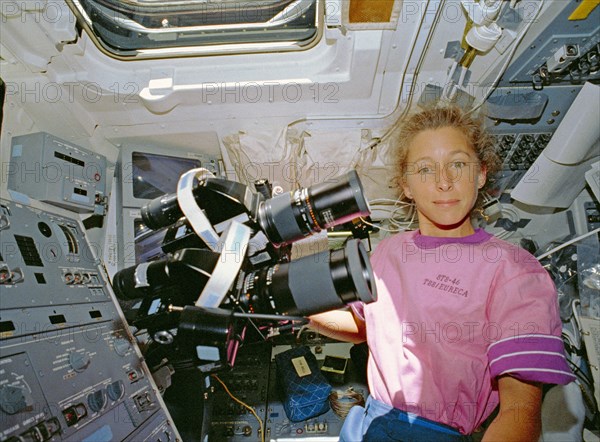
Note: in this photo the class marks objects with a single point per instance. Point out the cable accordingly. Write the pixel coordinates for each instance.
(400, 212)
(302, 329)
(504, 235)
(268, 317)
(581, 375)
(243, 404)
(256, 327)
(341, 402)
(413, 83)
(514, 216)
(568, 243)
(378, 227)
(576, 317)
(508, 59)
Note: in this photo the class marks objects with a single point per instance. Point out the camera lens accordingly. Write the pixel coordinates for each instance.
(161, 212)
(295, 215)
(312, 284)
(284, 218)
(183, 274)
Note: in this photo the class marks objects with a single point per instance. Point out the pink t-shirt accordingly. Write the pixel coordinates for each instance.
(451, 315)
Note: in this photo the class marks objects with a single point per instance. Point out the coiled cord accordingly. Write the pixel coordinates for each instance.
(342, 401)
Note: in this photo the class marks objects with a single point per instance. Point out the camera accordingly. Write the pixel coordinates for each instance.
(250, 279)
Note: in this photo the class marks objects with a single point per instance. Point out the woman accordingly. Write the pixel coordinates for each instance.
(464, 321)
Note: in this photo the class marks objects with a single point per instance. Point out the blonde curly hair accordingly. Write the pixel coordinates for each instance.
(433, 118)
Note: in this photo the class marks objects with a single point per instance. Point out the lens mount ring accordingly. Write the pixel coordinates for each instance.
(360, 270)
(357, 190)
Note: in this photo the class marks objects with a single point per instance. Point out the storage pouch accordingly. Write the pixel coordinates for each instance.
(304, 389)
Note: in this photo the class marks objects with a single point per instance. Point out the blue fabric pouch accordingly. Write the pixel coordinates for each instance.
(304, 389)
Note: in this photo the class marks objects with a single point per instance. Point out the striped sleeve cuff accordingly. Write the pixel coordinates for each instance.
(535, 358)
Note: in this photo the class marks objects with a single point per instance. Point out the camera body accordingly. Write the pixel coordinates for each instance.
(254, 279)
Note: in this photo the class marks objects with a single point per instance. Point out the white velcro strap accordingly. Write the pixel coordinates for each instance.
(233, 249)
(192, 211)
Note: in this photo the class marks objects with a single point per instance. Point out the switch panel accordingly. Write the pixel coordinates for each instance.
(70, 369)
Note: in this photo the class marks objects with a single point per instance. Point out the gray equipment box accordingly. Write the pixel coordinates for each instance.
(52, 170)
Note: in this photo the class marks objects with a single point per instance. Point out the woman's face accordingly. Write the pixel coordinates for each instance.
(443, 177)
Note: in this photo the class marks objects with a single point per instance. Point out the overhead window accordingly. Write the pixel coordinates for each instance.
(167, 28)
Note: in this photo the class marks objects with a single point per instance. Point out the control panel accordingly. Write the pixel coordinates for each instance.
(566, 52)
(58, 172)
(519, 151)
(248, 382)
(254, 382)
(69, 367)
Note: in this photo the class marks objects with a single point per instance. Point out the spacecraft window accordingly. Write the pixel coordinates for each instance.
(169, 28)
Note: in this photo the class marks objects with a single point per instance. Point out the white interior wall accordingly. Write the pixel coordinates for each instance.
(328, 104)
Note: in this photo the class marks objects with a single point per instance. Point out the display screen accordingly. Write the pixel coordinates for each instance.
(154, 175)
(335, 363)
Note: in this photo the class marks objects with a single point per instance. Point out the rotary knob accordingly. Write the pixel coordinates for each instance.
(79, 361)
(121, 346)
(97, 400)
(14, 399)
(115, 390)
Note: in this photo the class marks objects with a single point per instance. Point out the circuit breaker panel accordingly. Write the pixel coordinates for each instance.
(69, 367)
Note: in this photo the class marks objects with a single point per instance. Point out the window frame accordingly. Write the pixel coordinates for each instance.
(85, 22)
